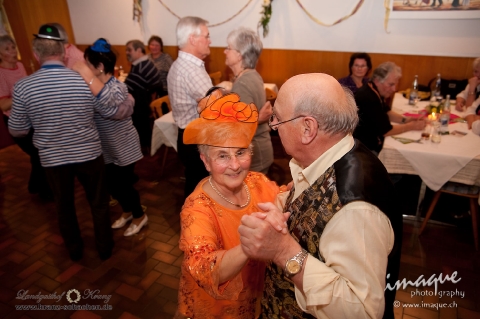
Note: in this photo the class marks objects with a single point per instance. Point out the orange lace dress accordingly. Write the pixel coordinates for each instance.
(208, 231)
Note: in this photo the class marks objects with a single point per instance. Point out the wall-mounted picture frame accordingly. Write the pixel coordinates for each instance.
(435, 9)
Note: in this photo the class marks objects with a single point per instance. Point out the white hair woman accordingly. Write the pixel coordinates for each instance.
(217, 277)
(241, 56)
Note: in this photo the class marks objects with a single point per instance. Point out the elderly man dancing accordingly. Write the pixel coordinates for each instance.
(344, 231)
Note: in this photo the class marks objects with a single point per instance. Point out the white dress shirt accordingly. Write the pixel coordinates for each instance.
(355, 245)
(187, 82)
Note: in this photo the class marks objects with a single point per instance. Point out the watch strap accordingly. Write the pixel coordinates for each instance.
(299, 258)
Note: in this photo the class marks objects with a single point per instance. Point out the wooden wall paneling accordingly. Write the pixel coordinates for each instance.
(26, 16)
(277, 66)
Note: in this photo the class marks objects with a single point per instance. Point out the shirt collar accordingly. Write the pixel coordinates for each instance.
(191, 58)
(305, 177)
(51, 64)
(137, 61)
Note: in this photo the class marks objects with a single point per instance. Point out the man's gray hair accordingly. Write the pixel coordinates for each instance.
(45, 48)
(249, 45)
(333, 116)
(476, 63)
(188, 26)
(384, 70)
(61, 30)
(137, 44)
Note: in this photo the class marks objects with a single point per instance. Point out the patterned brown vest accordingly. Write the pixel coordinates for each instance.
(311, 211)
(361, 176)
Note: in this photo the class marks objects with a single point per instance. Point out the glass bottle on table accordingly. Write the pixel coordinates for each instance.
(413, 98)
(445, 116)
(437, 92)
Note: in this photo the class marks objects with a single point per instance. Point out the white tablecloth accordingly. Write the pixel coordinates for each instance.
(455, 158)
(165, 131)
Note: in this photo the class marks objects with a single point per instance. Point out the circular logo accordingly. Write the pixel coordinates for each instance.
(396, 303)
(77, 298)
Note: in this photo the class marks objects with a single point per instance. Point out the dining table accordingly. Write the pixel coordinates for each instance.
(165, 131)
(456, 158)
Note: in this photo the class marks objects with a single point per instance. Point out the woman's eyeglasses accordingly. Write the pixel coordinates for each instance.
(241, 155)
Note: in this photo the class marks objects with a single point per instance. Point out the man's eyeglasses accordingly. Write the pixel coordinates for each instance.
(273, 117)
(242, 155)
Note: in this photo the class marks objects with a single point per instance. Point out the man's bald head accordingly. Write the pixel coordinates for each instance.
(320, 96)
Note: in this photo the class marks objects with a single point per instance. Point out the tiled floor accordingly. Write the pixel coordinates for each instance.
(140, 280)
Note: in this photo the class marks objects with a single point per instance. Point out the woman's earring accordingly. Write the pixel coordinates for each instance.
(101, 71)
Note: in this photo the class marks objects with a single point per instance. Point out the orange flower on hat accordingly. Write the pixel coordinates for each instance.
(224, 122)
(229, 108)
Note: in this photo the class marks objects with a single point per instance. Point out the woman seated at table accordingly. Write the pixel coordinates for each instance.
(119, 138)
(163, 61)
(241, 56)
(359, 66)
(217, 279)
(374, 113)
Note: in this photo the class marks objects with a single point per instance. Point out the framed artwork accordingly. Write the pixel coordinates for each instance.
(435, 9)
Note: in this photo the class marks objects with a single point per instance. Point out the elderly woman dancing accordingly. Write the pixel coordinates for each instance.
(218, 280)
(119, 138)
(241, 56)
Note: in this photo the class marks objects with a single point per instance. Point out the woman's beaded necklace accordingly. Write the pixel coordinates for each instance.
(226, 199)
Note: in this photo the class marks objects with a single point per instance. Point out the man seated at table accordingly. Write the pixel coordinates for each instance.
(374, 113)
(142, 81)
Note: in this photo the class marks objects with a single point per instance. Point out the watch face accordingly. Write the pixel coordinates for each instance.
(293, 267)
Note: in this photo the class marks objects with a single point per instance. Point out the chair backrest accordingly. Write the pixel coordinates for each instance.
(452, 87)
(157, 109)
(216, 77)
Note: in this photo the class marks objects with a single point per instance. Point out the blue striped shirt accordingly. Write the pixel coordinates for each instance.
(58, 103)
(119, 138)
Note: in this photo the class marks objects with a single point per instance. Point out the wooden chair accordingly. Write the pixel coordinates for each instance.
(157, 107)
(271, 95)
(216, 77)
(472, 192)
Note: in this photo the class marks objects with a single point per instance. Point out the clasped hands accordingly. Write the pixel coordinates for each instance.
(264, 236)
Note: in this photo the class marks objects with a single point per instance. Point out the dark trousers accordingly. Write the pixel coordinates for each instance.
(120, 180)
(91, 175)
(143, 123)
(37, 182)
(194, 168)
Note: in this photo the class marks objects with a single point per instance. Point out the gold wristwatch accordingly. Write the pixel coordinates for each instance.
(294, 265)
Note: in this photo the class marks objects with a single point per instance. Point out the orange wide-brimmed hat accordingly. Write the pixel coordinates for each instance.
(224, 122)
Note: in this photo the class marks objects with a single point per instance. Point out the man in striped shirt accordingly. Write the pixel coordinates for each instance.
(188, 82)
(58, 104)
(142, 81)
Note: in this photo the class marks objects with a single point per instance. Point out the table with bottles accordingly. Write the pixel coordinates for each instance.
(456, 157)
